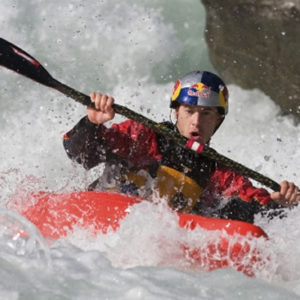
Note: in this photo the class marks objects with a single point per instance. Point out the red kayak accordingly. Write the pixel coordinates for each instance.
(55, 215)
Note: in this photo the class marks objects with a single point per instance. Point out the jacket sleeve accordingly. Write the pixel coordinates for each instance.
(231, 184)
(83, 144)
(91, 144)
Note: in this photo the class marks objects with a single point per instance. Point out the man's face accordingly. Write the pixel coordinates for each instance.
(197, 122)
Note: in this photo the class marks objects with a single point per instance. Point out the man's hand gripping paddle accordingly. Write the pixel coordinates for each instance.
(16, 59)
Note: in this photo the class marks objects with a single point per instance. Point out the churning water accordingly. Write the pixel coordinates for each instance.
(132, 50)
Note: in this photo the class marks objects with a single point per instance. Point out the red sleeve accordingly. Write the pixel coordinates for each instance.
(133, 141)
(229, 184)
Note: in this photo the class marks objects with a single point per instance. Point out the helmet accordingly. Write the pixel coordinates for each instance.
(201, 88)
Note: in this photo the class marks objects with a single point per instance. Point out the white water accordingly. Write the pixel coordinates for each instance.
(132, 50)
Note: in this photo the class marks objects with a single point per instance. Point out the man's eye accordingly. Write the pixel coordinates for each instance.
(207, 113)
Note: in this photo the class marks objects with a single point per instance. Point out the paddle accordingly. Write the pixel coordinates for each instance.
(16, 59)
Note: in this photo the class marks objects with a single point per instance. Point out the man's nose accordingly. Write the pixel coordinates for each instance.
(196, 118)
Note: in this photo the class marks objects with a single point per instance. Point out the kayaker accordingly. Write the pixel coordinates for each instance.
(142, 162)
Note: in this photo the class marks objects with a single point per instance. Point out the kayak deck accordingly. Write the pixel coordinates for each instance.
(55, 215)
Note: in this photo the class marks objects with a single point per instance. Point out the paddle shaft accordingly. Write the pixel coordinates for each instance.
(16, 59)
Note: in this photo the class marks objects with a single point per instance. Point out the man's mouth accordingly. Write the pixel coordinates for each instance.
(194, 135)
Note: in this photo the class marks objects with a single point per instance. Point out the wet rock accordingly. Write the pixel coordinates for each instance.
(256, 44)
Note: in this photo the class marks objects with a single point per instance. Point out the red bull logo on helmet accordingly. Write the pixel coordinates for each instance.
(199, 90)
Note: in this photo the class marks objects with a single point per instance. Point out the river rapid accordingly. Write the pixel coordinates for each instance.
(133, 50)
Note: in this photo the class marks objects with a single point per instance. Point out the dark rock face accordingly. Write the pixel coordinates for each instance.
(256, 44)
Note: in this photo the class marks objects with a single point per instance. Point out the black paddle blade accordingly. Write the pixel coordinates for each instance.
(16, 59)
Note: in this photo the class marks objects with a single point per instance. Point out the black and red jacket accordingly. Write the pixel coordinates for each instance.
(135, 147)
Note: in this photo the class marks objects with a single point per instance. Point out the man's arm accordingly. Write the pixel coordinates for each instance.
(84, 144)
(90, 142)
(231, 184)
(228, 183)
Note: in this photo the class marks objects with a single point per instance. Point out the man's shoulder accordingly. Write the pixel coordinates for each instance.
(131, 126)
(131, 123)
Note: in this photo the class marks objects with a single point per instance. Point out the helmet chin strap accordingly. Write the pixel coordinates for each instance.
(222, 119)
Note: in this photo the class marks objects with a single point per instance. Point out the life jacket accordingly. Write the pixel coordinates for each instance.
(180, 176)
(193, 165)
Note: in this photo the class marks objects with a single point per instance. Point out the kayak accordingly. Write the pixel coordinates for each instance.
(56, 215)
